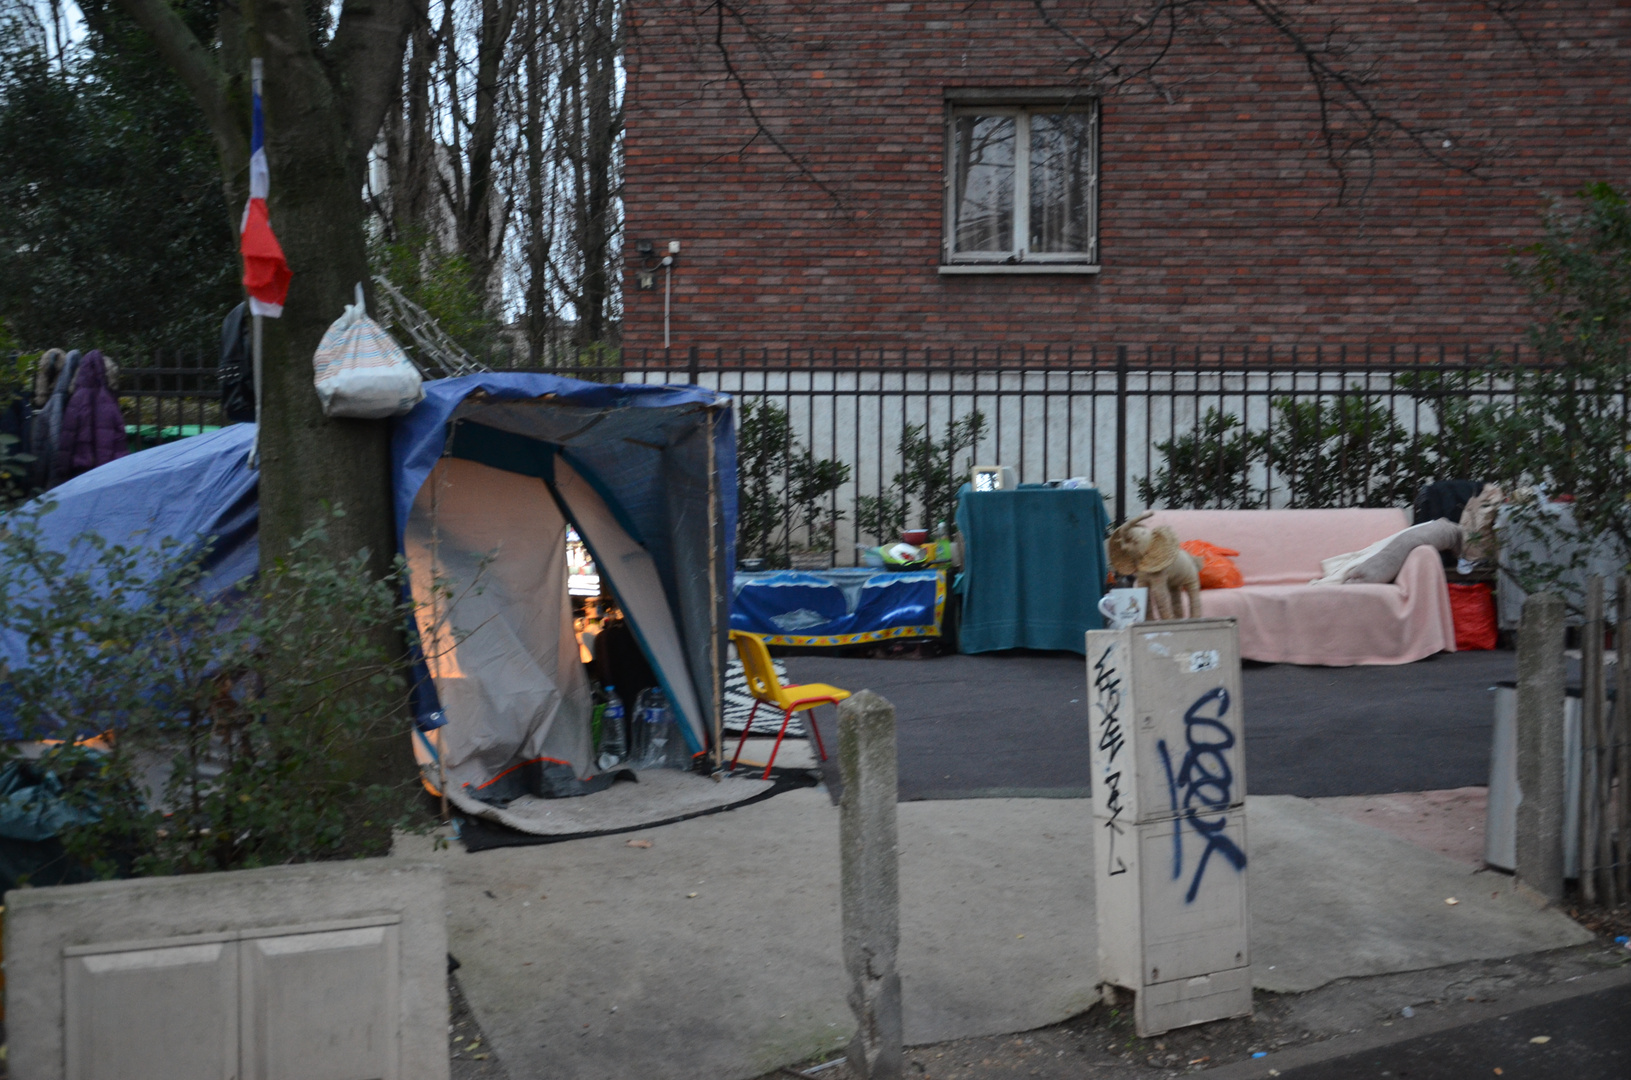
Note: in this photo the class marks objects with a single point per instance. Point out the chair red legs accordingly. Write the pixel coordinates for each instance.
(746, 731)
(810, 720)
(786, 716)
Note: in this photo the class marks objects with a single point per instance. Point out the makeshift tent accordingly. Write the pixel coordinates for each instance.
(489, 470)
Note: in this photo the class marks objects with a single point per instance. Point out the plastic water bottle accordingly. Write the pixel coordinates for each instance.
(614, 743)
(655, 723)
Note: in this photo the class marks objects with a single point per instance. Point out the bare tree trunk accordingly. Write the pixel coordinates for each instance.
(476, 218)
(604, 122)
(324, 104)
(410, 147)
(539, 313)
(325, 101)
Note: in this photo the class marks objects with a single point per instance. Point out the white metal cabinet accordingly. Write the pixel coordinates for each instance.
(1169, 790)
(1501, 813)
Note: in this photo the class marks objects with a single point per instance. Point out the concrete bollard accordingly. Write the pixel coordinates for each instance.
(1539, 846)
(870, 883)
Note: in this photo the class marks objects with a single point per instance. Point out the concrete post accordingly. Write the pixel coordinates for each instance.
(870, 883)
(1540, 746)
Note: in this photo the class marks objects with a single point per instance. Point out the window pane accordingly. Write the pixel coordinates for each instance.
(984, 194)
(1061, 182)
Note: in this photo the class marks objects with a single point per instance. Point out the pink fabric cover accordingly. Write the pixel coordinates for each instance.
(1283, 619)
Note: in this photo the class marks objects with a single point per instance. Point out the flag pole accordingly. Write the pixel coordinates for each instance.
(257, 70)
(255, 352)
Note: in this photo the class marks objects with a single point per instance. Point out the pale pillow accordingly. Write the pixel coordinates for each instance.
(1383, 567)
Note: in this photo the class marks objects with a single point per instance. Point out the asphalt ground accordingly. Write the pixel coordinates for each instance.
(1012, 724)
(1581, 1038)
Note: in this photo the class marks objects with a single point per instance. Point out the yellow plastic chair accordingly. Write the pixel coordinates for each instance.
(768, 690)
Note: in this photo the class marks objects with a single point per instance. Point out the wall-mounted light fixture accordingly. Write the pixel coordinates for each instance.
(670, 261)
(645, 275)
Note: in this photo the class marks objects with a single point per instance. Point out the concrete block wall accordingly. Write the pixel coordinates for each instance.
(1221, 219)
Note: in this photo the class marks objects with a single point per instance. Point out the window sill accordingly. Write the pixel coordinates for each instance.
(1019, 268)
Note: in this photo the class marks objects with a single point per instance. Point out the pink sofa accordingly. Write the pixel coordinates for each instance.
(1283, 619)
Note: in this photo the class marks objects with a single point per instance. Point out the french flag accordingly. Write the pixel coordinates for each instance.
(266, 271)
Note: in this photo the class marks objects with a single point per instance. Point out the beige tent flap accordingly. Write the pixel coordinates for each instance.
(498, 631)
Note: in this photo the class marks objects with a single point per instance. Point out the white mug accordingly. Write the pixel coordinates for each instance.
(1122, 608)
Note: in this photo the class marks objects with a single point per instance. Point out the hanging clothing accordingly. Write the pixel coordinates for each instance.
(236, 371)
(45, 375)
(93, 428)
(48, 423)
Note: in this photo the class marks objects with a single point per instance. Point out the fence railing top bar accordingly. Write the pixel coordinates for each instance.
(1084, 361)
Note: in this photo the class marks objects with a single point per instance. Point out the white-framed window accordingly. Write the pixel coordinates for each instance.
(1022, 187)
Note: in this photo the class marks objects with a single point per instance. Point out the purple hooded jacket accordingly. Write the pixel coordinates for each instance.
(93, 428)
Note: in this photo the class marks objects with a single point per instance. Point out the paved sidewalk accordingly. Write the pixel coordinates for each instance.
(715, 951)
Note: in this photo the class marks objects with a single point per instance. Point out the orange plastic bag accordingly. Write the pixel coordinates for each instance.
(1473, 610)
(1218, 570)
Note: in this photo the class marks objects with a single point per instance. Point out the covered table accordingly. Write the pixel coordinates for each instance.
(1033, 567)
(839, 607)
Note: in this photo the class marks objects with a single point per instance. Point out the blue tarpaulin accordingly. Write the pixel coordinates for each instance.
(184, 492)
(839, 607)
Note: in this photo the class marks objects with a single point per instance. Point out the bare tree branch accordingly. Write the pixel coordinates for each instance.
(198, 71)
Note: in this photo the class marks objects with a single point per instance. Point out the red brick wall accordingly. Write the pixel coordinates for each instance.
(1220, 219)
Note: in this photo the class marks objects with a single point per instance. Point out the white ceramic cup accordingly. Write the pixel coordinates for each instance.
(1122, 608)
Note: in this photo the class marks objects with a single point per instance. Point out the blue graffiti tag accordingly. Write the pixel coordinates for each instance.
(1206, 780)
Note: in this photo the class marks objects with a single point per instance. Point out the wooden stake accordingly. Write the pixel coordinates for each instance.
(1602, 758)
(436, 617)
(714, 554)
(1591, 701)
(1622, 735)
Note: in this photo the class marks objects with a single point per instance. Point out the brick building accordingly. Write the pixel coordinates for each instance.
(843, 174)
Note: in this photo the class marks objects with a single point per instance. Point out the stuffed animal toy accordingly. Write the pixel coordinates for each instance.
(1157, 563)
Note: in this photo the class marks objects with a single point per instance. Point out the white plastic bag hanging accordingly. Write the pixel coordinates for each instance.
(361, 372)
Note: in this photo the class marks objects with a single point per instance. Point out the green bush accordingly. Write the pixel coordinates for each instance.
(929, 479)
(1342, 449)
(781, 488)
(1346, 451)
(1571, 420)
(233, 731)
(1210, 466)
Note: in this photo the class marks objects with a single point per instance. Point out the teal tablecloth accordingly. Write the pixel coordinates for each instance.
(1033, 567)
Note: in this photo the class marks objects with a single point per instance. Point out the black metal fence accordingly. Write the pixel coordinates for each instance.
(174, 396)
(1225, 427)
(1236, 426)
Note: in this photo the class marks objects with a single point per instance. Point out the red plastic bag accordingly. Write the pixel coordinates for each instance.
(1473, 609)
(1218, 570)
